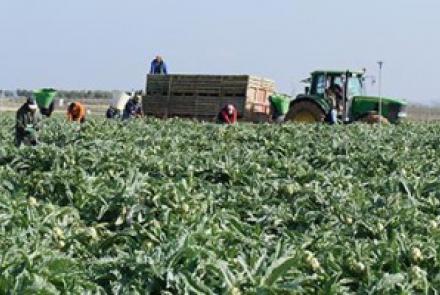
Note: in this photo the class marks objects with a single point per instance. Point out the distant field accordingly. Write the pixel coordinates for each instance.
(423, 113)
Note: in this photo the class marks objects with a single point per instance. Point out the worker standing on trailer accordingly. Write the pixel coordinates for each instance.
(158, 66)
(27, 123)
(228, 115)
(76, 112)
(133, 108)
(279, 105)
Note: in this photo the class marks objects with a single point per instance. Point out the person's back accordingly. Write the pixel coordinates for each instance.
(22, 119)
(228, 115)
(76, 112)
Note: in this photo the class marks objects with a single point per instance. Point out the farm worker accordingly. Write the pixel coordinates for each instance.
(112, 113)
(279, 104)
(338, 93)
(228, 115)
(158, 66)
(333, 115)
(334, 93)
(133, 108)
(76, 112)
(27, 123)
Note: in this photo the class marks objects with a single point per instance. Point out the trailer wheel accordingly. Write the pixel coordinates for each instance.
(305, 112)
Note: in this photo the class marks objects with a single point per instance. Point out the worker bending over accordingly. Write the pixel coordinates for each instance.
(112, 113)
(228, 115)
(27, 123)
(76, 112)
(133, 108)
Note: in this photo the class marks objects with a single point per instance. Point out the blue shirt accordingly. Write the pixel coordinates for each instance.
(132, 109)
(158, 68)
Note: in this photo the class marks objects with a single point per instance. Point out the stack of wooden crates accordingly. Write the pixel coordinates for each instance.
(202, 96)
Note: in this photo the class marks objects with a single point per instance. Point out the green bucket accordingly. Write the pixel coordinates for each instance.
(281, 102)
(44, 97)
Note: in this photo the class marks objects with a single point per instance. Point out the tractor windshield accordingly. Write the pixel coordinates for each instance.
(354, 87)
(323, 81)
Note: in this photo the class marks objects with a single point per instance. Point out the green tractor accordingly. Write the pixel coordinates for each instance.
(339, 95)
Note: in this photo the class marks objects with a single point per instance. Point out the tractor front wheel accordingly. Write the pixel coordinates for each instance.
(305, 112)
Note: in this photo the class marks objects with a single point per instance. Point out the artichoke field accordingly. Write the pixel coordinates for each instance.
(178, 207)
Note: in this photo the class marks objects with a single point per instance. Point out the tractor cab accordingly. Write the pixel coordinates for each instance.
(340, 96)
(322, 80)
(338, 89)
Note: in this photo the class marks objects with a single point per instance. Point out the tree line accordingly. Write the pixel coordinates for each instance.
(64, 94)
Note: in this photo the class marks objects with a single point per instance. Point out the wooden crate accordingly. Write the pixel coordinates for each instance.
(202, 96)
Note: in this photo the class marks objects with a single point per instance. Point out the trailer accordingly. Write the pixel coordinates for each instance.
(202, 96)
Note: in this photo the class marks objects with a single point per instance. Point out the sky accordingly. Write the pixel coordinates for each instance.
(108, 44)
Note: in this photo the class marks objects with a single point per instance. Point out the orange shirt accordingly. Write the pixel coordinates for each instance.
(76, 113)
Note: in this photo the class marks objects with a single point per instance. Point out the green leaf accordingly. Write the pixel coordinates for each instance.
(277, 269)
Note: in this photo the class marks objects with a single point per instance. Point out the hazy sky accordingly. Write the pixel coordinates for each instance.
(108, 44)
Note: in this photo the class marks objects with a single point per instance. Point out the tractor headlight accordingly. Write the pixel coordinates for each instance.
(402, 114)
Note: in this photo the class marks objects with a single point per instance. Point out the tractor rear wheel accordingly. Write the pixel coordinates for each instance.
(373, 118)
(305, 112)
